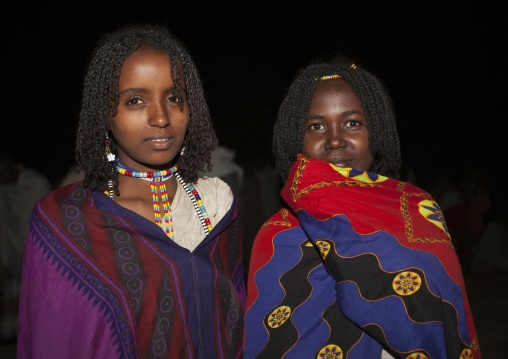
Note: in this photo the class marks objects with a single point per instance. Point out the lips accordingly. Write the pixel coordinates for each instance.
(342, 165)
(159, 142)
(341, 162)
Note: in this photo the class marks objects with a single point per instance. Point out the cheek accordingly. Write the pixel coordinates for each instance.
(313, 141)
(179, 118)
(363, 155)
(124, 133)
(369, 160)
(183, 122)
(116, 130)
(308, 146)
(367, 157)
(127, 122)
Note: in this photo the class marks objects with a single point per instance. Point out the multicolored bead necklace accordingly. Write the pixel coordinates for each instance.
(159, 177)
(198, 204)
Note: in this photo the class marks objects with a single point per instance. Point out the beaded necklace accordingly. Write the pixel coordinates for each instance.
(198, 204)
(159, 178)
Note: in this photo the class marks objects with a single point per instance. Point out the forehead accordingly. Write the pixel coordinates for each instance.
(334, 91)
(148, 62)
(145, 56)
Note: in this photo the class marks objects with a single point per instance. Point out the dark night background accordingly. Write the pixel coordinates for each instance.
(441, 64)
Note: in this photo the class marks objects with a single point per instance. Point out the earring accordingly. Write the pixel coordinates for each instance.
(183, 148)
(110, 189)
(109, 155)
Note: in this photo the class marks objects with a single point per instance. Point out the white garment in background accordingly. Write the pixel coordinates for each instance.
(16, 203)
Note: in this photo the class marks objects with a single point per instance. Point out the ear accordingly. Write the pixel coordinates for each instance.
(108, 123)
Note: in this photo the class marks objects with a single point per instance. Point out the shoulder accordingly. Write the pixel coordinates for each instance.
(214, 190)
(212, 186)
(65, 194)
(216, 195)
(281, 221)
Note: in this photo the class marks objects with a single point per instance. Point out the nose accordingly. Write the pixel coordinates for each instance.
(335, 139)
(159, 115)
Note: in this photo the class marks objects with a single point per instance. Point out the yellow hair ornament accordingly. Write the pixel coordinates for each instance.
(330, 77)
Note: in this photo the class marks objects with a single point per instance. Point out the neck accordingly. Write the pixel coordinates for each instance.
(132, 184)
(132, 188)
(154, 176)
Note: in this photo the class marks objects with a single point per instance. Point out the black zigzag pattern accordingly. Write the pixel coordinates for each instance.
(344, 333)
(298, 289)
(374, 284)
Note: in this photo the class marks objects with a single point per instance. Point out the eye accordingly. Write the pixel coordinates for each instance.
(135, 101)
(315, 127)
(353, 124)
(174, 98)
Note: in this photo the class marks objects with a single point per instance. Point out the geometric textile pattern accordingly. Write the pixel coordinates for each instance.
(330, 351)
(380, 274)
(407, 283)
(279, 316)
(359, 175)
(431, 211)
(303, 299)
(466, 354)
(324, 248)
(416, 356)
(105, 282)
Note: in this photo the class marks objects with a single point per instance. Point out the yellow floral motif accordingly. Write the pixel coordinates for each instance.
(279, 316)
(466, 354)
(431, 211)
(362, 176)
(324, 248)
(407, 283)
(330, 351)
(417, 356)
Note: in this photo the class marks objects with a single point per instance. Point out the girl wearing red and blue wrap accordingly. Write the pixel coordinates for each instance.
(357, 264)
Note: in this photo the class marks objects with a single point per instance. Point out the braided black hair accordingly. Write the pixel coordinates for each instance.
(290, 126)
(100, 103)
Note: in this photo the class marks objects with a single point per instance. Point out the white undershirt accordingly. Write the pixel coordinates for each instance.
(217, 199)
(386, 355)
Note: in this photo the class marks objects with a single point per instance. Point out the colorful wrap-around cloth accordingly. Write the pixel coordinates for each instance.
(357, 263)
(100, 281)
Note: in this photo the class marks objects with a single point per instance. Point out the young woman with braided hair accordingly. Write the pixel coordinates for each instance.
(358, 264)
(143, 258)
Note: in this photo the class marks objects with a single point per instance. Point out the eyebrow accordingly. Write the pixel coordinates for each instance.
(352, 112)
(142, 90)
(130, 91)
(315, 117)
(345, 113)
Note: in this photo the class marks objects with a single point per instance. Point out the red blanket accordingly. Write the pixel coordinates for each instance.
(385, 244)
